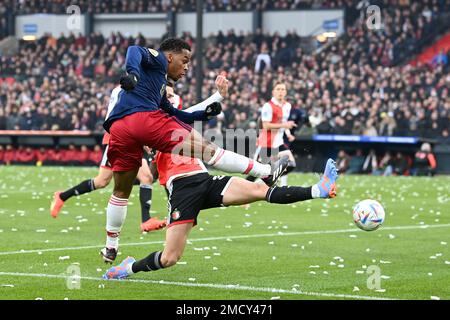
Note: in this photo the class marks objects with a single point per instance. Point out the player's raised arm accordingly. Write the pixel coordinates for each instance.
(218, 96)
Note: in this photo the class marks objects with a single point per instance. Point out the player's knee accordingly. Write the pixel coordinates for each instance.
(259, 191)
(101, 182)
(170, 259)
(146, 178)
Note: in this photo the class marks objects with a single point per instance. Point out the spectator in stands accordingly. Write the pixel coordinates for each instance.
(2, 119)
(386, 165)
(2, 154)
(424, 161)
(10, 155)
(263, 60)
(370, 164)
(356, 162)
(401, 164)
(96, 156)
(440, 59)
(41, 156)
(25, 156)
(342, 161)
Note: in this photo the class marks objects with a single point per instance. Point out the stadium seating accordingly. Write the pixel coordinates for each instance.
(354, 85)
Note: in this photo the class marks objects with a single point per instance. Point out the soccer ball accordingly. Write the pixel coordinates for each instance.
(368, 215)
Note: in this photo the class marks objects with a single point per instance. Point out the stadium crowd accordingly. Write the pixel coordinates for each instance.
(146, 6)
(51, 156)
(352, 86)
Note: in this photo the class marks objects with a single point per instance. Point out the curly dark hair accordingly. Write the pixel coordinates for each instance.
(174, 45)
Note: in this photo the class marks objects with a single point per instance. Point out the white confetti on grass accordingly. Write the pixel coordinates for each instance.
(192, 279)
(380, 290)
(41, 230)
(7, 285)
(355, 289)
(435, 298)
(182, 262)
(64, 258)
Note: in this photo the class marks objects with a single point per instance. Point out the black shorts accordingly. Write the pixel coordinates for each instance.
(191, 194)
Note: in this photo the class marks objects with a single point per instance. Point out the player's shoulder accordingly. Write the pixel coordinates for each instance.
(155, 53)
(267, 105)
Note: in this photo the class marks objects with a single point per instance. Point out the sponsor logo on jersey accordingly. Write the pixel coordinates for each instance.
(153, 52)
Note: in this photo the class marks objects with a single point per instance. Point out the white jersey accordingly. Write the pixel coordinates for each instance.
(274, 112)
(113, 100)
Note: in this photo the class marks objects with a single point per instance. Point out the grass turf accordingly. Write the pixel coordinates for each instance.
(309, 250)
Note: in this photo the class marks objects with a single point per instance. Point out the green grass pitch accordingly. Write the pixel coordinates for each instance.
(310, 250)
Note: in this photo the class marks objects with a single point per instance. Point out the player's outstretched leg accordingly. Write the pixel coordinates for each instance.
(99, 182)
(242, 191)
(194, 145)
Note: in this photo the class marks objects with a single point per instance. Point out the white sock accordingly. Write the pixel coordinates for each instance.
(130, 268)
(315, 192)
(115, 217)
(284, 181)
(228, 161)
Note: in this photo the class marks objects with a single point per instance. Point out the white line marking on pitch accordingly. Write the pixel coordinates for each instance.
(248, 236)
(203, 285)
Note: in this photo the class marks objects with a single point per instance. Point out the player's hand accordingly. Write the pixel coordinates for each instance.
(222, 85)
(290, 125)
(128, 82)
(213, 110)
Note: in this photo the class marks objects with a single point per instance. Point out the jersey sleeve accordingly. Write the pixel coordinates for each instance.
(186, 117)
(216, 97)
(286, 112)
(140, 57)
(266, 113)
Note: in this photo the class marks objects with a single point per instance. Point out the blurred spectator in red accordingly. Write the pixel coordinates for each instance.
(25, 156)
(10, 155)
(69, 156)
(82, 156)
(54, 156)
(41, 156)
(2, 154)
(424, 161)
(96, 155)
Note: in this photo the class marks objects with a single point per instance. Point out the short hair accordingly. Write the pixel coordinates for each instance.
(175, 45)
(276, 83)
